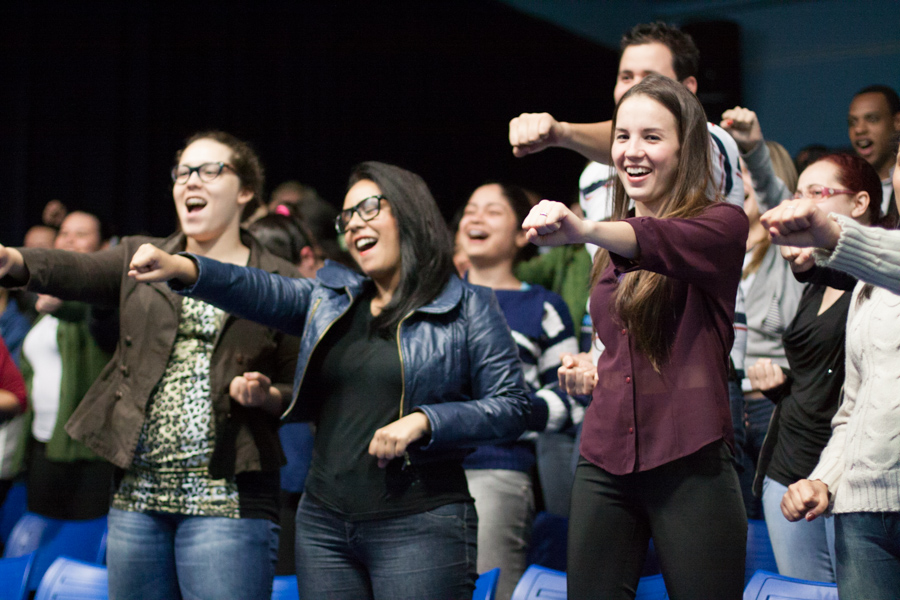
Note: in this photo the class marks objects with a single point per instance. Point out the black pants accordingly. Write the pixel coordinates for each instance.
(75, 490)
(691, 507)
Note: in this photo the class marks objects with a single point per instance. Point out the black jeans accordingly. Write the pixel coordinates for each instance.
(691, 507)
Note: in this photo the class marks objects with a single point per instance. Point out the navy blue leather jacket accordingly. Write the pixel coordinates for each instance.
(459, 362)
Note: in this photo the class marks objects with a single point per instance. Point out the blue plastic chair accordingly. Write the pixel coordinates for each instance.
(759, 550)
(651, 588)
(69, 579)
(540, 582)
(12, 510)
(486, 585)
(772, 586)
(14, 577)
(285, 588)
(52, 538)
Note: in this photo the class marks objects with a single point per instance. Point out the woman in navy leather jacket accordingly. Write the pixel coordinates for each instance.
(402, 369)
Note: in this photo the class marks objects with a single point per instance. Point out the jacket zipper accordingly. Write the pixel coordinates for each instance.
(402, 365)
(306, 366)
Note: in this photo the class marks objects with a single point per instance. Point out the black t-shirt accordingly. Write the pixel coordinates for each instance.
(814, 346)
(359, 379)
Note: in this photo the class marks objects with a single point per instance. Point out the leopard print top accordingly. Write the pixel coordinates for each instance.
(169, 472)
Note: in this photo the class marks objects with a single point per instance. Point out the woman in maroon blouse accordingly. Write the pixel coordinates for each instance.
(657, 437)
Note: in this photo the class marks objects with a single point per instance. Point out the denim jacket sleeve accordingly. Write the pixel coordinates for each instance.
(499, 406)
(273, 300)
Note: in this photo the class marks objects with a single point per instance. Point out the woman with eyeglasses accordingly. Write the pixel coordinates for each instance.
(856, 478)
(807, 393)
(402, 369)
(189, 405)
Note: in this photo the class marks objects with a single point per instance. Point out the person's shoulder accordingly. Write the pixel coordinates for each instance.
(723, 141)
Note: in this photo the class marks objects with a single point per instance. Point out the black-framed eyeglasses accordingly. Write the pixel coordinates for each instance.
(367, 209)
(207, 171)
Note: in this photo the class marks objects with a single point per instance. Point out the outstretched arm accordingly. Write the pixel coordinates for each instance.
(532, 132)
(553, 224)
(150, 264)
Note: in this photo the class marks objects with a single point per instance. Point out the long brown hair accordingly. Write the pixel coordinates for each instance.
(643, 296)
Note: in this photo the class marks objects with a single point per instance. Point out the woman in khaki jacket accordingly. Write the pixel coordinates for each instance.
(189, 405)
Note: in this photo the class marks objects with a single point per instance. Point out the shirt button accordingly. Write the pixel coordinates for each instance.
(631, 430)
(624, 332)
(628, 379)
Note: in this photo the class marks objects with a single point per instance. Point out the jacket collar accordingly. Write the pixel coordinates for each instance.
(336, 276)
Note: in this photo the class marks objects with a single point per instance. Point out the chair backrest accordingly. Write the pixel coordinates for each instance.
(759, 550)
(14, 577)
(52, 538)
(285, 588)
(651, 587)
(12, 510)
(69, 579)
(540, 582)
(771, 586)
(486, 585)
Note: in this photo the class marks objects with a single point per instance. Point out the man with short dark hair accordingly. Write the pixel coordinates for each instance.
(873, 122)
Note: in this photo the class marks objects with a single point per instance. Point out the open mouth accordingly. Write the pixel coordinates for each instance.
(365, 243)
(638, 171)
(195, 204)
(477, 234)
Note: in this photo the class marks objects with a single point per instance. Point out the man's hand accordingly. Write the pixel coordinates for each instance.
(743, 125)
(801, 223)
(533, 132)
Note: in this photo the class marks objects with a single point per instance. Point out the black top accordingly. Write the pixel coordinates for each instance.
(814, 346)
(360, 380)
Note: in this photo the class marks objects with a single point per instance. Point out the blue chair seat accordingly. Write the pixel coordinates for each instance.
(14, 577)
(486, 585)
(285, 588)
(52, 538)
(772, 586)
(69, 579)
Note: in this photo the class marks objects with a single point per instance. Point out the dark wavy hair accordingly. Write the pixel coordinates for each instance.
(685, 55)
(283, 236)
(245, 161)
(426, 247)
(642, 297)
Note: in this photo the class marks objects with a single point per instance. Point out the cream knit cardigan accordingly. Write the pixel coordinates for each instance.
(861, 463)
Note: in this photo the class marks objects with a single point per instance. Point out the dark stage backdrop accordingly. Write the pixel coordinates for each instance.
(98, 96)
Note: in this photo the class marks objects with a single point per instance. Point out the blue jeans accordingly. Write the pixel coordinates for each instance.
(868, 554)
(556, 470)
(168, 556)
(426, 555)
(804, 549)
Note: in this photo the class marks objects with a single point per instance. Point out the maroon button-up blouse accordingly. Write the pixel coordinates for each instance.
(640, 419)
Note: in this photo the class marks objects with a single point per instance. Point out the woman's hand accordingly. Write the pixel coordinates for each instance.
(391, 441)
(47, 304)
(533, 132)
(11, 263)
(150, 264)
(765, 375)
(801, 223)
(553, 224)
(578, 374)
(255, 390)
(804, 499)
(801, 259)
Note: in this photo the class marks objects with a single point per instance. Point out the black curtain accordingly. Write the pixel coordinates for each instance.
(98, 96)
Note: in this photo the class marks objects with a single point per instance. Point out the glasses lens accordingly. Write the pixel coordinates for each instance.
(209, 171)
(815, 192)
(368, 208)
(180, 173)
